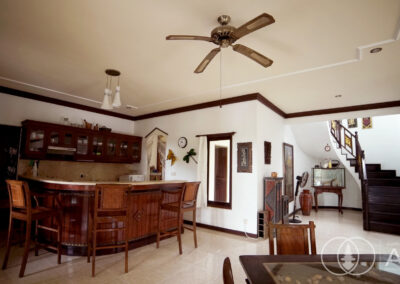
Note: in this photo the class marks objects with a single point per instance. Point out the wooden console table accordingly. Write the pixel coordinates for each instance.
(333, 189)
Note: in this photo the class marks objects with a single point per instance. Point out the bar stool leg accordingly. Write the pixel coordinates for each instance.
(158, 226)
(59, 236)
(36, 238)
(27, 246)
(194, 228)
(8, 244)
(126, 250)
(94, 249)
(89, 237)
(179, 231)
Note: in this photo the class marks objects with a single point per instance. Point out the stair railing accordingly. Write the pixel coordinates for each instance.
(349, 142)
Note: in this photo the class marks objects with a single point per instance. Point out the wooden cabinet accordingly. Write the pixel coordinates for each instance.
(273, 199)
(47, 141)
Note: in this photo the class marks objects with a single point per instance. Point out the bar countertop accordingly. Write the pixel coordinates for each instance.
(89, 185)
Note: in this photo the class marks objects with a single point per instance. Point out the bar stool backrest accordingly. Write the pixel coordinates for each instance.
(190, 192)
(111, 197)
(19, 194)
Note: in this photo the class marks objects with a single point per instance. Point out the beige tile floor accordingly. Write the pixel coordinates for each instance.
(165, 265)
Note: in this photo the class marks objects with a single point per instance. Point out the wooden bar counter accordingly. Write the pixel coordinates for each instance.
(77, 199)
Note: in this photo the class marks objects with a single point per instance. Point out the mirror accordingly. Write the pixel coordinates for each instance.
(219, 187)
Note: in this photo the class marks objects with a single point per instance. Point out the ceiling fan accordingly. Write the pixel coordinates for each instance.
(225, 35)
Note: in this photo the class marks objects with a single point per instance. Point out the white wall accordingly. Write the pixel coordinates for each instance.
(239, 118)
(14, 109)
(381, 142)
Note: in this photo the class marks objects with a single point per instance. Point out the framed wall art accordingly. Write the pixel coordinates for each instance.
(244, 157)
(288, 176)
(352, 123)
(267, 152)
(366, 122)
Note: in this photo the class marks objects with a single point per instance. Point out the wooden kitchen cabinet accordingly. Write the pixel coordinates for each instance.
(48, 141)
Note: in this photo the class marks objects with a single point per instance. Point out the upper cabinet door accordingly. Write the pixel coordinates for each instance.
(136, 150)
(35, 142)
(123, 150)
(83, 141)
(111, 149)
(97, 149)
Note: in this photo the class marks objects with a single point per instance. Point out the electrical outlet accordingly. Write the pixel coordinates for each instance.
(245, 221)
(173, 174)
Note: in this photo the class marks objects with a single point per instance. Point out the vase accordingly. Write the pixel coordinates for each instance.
(305, 202)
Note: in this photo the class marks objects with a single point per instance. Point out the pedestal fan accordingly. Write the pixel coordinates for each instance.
(301, 182)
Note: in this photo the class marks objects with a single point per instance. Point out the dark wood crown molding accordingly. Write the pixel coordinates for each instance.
(28, 95)
(233, 100)
(344, 109)
(238, 99)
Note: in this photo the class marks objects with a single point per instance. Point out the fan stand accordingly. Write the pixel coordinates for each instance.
(294, 220)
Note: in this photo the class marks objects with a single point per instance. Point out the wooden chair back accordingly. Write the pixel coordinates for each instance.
(227, 272)
(172, 196)
(19, 194)
(292, 239)
(111, 197)
(190, 192)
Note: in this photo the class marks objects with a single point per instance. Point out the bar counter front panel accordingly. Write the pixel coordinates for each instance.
(77, 199)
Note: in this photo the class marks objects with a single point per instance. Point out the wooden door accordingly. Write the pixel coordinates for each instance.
(220, 171)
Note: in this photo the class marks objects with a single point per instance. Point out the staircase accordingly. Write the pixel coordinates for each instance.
(380, 188)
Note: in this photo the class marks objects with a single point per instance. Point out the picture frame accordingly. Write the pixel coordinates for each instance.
(288, 172)
(366, 122)
(244, 157)
(267, 152)
(352, 123)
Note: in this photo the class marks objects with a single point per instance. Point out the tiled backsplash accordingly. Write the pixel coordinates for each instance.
(77, 170)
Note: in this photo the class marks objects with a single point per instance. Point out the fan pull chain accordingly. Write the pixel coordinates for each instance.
(220, 79)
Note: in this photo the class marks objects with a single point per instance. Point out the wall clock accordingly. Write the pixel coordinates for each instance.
(327, 148)
(182, 142)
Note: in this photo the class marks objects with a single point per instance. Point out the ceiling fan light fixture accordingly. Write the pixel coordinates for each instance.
(225, 35)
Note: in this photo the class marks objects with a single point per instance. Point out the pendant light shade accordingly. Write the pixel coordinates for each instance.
(117, 98)
(107, 99)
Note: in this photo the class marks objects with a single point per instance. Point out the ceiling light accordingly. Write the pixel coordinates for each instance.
(376, 50)
(108, 102)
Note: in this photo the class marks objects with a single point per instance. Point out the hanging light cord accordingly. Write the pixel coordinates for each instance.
(220, 79)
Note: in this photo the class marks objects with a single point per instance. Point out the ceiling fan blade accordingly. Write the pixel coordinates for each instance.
(253, 25)
(252, 54)
(207, 60)
(188, 37)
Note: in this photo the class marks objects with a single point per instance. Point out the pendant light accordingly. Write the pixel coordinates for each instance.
(117, 97)
(108, 102)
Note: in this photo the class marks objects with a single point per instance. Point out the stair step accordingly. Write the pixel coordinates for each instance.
(373, 167)
(384, 217)
(384, 182)
(384, 227)
(382, 207)
(382, 174)
(384, 194)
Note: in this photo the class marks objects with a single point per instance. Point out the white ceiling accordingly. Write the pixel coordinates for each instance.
(320, 49)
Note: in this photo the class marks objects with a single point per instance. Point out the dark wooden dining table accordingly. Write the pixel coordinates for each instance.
(257, 273)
